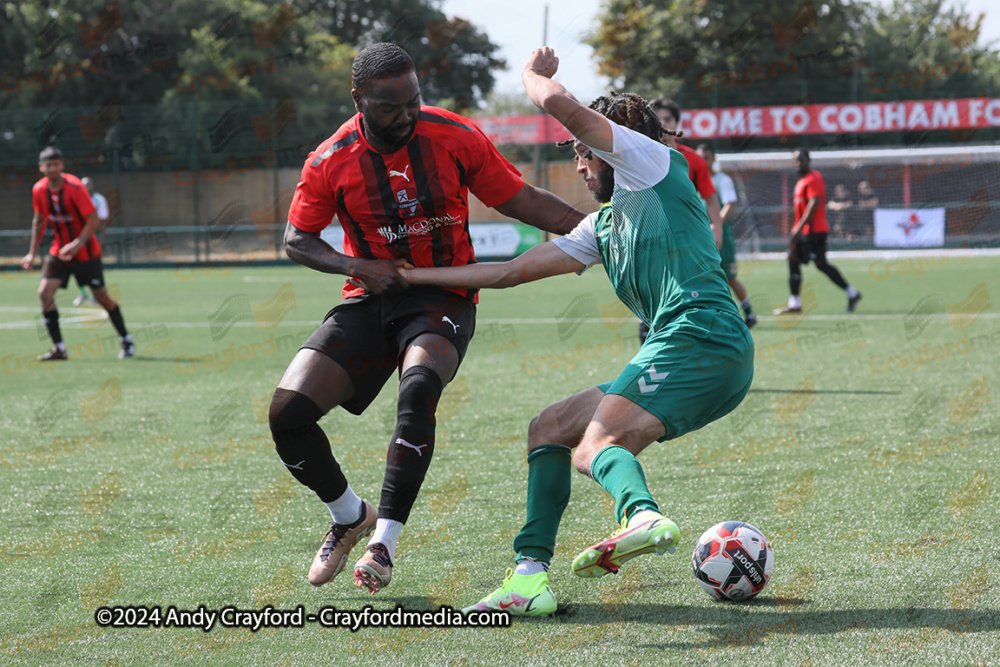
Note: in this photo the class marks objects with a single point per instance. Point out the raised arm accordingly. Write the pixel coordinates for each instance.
(590, 127)
(542, 261)
(542, 209)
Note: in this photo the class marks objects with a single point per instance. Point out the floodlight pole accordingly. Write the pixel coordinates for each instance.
(541, 162)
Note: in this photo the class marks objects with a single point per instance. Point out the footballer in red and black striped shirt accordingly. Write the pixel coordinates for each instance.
(61, 201)
(412, 204)
(397, 178)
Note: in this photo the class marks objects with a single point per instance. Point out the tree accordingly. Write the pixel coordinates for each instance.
(717, 54)
(77, 52)
(203, 76)
(924, 50)
(455, 60)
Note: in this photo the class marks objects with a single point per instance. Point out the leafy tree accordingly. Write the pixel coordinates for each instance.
(74, 52)
(924, 50)
(715, 54)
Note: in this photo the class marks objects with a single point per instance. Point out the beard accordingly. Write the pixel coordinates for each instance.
(605, 184)
(387, 136)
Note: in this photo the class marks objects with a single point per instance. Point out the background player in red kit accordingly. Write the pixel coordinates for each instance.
(397, 176)
(62, 201)
(808, 237)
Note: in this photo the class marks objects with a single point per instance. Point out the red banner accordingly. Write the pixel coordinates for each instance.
(775, 121)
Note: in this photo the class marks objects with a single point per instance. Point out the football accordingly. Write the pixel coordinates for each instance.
(733, 561)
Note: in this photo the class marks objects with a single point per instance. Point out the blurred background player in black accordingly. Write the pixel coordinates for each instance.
(61, 200)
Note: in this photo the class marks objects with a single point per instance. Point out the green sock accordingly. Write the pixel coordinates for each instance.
(549, 471)
(618, 471)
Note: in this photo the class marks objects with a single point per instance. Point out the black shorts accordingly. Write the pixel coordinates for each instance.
(811, 248)
(368, 335)
(89, 273)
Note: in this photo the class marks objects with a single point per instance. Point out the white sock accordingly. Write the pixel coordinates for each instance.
(127, 338)
(529, 566)
(387, 532)
(794, 302)
(851, 292)
(344, 509)
(61, 347)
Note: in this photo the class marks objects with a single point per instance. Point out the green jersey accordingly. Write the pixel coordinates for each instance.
(654, 237)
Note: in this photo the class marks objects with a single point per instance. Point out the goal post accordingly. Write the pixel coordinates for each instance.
(964, 182)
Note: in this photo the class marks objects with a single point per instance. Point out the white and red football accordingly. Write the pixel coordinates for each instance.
(733, 561)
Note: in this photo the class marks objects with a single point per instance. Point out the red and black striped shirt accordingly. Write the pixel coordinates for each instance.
(66, 209)
(412, 204)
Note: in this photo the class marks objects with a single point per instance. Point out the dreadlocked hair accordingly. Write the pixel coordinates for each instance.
(631, 111)
(379, 60)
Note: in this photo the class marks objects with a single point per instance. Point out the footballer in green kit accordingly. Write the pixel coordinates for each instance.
(653, 237)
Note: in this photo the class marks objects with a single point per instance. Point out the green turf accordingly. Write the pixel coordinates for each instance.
(153, 481)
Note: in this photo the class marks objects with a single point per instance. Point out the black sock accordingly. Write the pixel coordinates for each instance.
(412, 443)
(794, 278)
(303, 446)
(116, 319)
(833, 274)
(52, 324)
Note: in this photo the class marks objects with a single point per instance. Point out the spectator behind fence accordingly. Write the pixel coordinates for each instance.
(864, 218)
(839, 205)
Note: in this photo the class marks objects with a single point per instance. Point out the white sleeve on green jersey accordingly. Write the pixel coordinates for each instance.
(639, 162)
(580, 244)
(725, 187)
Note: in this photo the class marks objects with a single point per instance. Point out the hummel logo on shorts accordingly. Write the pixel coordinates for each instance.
(404, 443)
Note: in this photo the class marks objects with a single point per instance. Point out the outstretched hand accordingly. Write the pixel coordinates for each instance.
(542, 61)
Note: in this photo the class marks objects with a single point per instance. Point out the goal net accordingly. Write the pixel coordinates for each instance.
(955, 190)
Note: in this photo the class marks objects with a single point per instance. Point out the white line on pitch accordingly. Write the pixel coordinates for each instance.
(30, 324)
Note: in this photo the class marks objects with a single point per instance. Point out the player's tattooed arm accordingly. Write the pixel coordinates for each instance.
(542, 261)
(590, 127)
(376, 275)
(542, 209)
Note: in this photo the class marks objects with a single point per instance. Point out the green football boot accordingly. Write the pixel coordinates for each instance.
(521, 595)
(647, 532)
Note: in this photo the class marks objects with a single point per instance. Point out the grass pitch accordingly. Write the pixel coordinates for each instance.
(865, 452)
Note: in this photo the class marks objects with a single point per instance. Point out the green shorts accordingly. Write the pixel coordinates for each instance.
(728, 251)
(695, 370)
